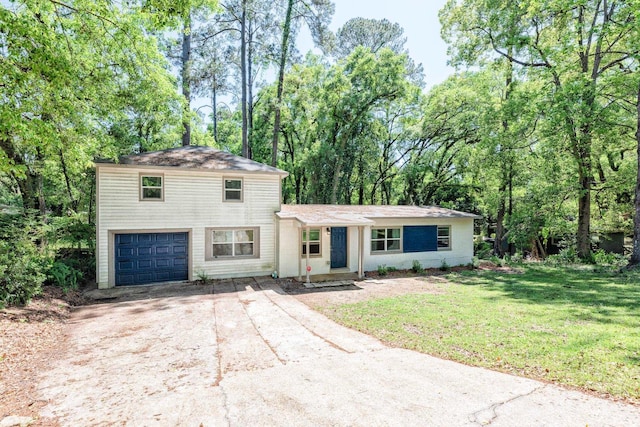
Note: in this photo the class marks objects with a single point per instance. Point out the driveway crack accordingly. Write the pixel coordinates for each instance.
(330, 343)
(492, 409)
(268, 344)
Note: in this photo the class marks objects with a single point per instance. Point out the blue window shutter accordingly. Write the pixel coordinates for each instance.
(420, 238)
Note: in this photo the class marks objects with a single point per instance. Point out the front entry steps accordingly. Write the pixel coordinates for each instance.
(335, 283)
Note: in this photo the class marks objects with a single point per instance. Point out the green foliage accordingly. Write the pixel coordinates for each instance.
(602, 258)
(482, 249)
(203, 277)
(72, 231)
(383, 270)
(444, 266)
(567, 256)
(22, 262)
(416, 267)
(65, 276)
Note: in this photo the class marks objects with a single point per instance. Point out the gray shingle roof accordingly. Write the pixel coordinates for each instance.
(194, 157)
(318, 215)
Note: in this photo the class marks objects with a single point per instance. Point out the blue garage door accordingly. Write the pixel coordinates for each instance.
(151, 257)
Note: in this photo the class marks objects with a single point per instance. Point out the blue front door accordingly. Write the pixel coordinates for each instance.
(338, 247)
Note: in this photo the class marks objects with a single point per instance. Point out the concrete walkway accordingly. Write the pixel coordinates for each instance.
(250, 355)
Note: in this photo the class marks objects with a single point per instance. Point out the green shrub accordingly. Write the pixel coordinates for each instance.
(391, 269)
(382, 270)
(483, 249)
(64, 276)
(22, 262)
(444, 266)
(416, 267)
(497, 260)
(567, 255)
(475, 263)
(517, 258)
(600, 257)
(203, 276)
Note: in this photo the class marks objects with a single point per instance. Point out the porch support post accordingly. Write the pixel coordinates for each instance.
(307, 245)
(299, 259)
(360, 252)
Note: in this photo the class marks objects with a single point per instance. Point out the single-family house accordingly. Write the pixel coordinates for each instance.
(186, 212)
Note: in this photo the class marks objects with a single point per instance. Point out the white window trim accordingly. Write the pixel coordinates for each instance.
(209, 243)
(141, 176)
(224, 189)
(386, 241)
(303, 243)
(448, 248)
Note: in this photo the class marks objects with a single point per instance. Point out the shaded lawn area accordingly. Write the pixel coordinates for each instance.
(571, 326)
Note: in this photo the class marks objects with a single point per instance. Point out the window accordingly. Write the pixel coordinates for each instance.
(232, 243)
(385, 239)
(232, 190)
(314, 242)
(151, 187)
(444, 237)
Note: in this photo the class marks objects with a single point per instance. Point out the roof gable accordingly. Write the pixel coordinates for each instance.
(195, 157)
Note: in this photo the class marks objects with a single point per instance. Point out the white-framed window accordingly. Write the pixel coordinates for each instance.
(386, 239)
(232, 189)
(314, 242)
(151, 187)
(444, 237)
(232, 243)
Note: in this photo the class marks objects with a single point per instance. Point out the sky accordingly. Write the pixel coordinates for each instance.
(418, 18)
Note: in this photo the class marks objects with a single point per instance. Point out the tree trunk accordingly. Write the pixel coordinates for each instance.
(284, 47)
(186, 80)
(214, 108)
(243, 73)
(67, 180)
(497, 243)
(583, 237)
(249, 89)
(635, 255)
(505, 162)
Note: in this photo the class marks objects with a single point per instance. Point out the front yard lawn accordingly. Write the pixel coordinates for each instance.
(571, 326)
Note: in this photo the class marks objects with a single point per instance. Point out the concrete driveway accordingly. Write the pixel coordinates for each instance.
(247, 354)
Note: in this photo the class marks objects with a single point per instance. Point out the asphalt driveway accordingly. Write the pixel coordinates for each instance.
(245, 353)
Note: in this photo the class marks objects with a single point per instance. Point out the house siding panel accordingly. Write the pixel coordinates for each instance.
(193, 201)
(461, 252)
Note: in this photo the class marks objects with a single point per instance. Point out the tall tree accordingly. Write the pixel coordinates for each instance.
(571, 45)
(635, 254)
(69, 75)
(317, 15)
(185, 75)
(370, 33)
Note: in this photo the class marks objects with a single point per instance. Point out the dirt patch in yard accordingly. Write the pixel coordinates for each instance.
(32, 338)
(377, 286)
(367, 289)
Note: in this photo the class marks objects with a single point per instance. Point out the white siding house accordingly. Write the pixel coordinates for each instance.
(157, 212)
(188, 212)
(371, 236)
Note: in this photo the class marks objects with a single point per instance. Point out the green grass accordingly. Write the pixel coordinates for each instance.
(571, 326)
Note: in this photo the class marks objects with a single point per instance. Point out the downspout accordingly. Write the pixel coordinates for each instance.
(307, 244)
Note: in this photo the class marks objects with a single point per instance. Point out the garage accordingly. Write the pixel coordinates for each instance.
(142, 258)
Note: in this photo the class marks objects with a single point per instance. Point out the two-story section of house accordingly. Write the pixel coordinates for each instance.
(181, 213)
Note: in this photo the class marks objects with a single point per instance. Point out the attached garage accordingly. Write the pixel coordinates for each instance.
(142, 258)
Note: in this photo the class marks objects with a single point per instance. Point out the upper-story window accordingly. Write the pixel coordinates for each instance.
(151, 187)
(232, 190)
